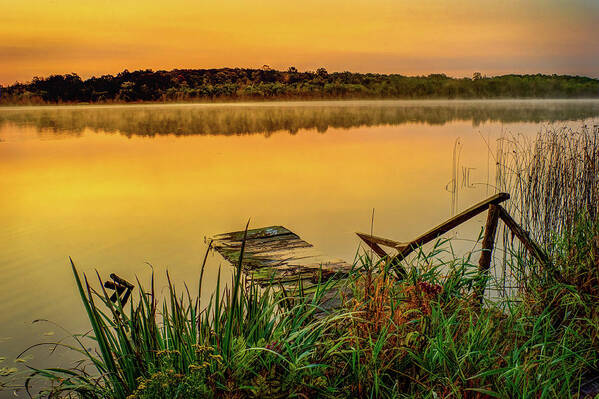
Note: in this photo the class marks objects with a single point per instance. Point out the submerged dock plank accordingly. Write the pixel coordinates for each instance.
(276, 254)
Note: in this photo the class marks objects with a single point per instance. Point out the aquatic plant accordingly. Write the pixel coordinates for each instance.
(553, 180)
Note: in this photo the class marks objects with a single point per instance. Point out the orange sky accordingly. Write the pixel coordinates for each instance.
(93, 37)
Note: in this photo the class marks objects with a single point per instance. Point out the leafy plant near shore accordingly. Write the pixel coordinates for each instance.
(422, 336)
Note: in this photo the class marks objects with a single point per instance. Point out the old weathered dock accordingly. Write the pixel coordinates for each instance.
(276, 254)
(402, 249)
(399, 250)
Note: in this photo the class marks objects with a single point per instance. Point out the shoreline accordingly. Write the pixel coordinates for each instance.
(302, 103)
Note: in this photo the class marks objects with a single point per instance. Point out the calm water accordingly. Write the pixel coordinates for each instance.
(116, 187)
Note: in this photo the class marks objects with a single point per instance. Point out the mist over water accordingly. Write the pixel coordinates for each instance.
(267, 118)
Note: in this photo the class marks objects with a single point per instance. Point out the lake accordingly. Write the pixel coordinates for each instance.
(118, 188)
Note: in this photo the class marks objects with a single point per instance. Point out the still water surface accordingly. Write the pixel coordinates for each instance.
(118, 187)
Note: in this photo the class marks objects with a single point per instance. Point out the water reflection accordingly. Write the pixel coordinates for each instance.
(267, 118)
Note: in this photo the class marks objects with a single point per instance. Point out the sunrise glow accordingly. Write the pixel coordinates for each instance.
(95, 37)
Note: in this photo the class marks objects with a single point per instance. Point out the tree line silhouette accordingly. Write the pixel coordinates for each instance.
(267, 83)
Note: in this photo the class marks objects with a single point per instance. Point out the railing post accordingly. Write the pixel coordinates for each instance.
(535, 250)
(484, 262)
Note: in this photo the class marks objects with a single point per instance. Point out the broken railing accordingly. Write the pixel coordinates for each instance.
(495, 212)
(275, 254)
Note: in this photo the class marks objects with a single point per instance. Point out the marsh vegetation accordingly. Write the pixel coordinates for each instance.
(421, 335)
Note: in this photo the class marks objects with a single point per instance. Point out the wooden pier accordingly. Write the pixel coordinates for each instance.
(277, 255)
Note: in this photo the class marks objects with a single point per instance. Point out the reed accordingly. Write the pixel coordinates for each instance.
(423, 335)
(552, 179)
(150, 344)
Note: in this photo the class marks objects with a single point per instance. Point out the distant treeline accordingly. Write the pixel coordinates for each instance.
(266, 83)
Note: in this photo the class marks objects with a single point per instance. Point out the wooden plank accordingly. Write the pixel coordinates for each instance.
(274, 249)
(455, 221)
(264, 232)
(535, 250)
(373, 242)
(276, 254)
(380, 240)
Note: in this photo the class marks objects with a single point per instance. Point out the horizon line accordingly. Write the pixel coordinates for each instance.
(313, 71)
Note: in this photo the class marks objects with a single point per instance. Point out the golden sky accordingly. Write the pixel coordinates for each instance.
(94, 37)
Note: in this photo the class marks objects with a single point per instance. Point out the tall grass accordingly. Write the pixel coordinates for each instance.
(179, 347)
(423, 335)
(551, 179)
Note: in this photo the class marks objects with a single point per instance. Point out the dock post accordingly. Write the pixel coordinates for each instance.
(484, 262)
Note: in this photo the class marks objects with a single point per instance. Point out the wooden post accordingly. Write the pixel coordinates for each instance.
(533, 248)
(523, 236)
(484, 262)
(119, 285)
